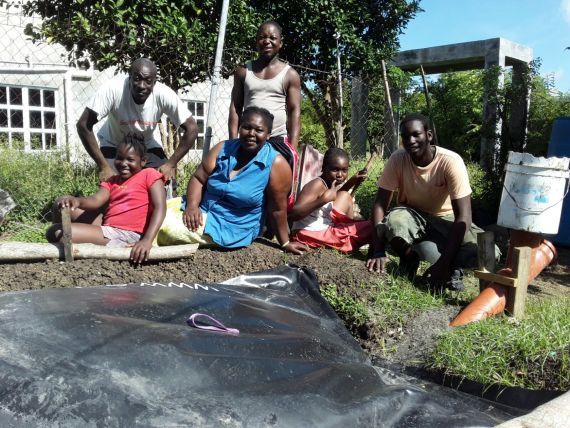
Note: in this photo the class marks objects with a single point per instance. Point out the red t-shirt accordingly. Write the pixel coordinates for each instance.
(129, 201)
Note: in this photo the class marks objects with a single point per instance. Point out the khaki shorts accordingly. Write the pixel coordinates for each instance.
(428, 235)
(120, 238)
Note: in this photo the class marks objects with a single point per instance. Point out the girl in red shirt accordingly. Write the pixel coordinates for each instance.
(136, 206)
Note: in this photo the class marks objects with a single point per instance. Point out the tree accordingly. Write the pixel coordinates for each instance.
(546, 104)
(368, 31)
(180, 37)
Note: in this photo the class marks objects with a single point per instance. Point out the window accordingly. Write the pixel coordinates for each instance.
(197, 110)
(28, 119)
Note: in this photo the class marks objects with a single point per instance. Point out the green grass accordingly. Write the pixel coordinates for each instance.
(384, 304)
(353, 312)
(34, 181)
(396, 300)
(25, 232)
(533, 353)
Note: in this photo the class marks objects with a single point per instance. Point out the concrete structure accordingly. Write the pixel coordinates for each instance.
(476, 55)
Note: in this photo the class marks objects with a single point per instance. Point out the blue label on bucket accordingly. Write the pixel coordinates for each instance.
(539, 195)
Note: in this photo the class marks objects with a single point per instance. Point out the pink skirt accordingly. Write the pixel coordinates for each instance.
(344, 235)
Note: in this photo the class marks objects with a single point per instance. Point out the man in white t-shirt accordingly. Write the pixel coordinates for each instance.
(133, 107)
(432, 221)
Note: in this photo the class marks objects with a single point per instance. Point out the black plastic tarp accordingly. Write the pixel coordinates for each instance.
(124, 355)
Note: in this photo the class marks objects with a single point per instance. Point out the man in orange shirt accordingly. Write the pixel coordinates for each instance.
(432, 221)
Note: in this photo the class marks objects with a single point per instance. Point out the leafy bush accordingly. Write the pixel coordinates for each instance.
(35, 180)
(486, 194)
(314, 134)
(366, 193)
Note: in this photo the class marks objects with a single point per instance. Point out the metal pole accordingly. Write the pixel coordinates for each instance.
(340, 101)
(216, 77)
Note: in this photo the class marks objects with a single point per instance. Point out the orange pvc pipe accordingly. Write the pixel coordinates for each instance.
(493, 299)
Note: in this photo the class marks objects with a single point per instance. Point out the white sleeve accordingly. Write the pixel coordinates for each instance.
(172, 106)
(104, 99)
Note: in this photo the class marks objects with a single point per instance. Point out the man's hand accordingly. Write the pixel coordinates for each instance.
(168, 170)
(106, 173)
(377, 264)
(295, 248)
(192, 218)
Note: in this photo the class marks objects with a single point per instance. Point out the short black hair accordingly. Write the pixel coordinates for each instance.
(143, 62)
(274, 23)
(263, 112)
(419, 117)
(332, 154)
(135, 142)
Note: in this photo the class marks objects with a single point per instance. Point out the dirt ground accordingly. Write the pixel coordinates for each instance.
(409, 346)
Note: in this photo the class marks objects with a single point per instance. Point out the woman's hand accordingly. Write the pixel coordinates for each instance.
(140, 251)
(295, 247)
(192, 218)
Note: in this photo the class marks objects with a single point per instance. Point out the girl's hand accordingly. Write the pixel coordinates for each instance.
(68, 202)
(330, 194)
(192, 218)
(140, 251)
(361, 175)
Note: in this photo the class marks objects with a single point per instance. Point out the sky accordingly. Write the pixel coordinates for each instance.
(543, 25)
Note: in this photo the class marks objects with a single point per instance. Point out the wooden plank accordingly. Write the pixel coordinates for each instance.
(495, 277)
(92, 251)
(516, 297)
(486, 255)
(25, 251)
(66, 240)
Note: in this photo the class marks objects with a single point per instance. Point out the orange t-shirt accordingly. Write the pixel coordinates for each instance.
(430, 188)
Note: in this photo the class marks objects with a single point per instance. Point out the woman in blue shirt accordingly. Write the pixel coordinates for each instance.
(237, 183)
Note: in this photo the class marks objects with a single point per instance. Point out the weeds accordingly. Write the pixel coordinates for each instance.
(398, 299)
(352, 311)
(34, 181)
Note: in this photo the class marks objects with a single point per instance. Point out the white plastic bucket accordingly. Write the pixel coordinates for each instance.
(533, 192)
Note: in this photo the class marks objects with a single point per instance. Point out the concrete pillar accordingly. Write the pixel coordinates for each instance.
(490, 139)
(358, 118)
